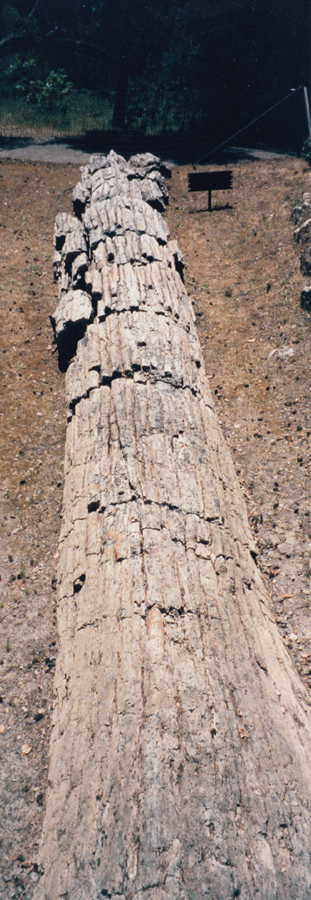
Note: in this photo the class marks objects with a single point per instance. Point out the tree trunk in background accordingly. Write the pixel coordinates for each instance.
(119, 109)
(125, 46)
(180, 762)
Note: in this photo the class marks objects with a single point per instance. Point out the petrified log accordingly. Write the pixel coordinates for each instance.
(305, 260)
(305, 298)
(180, 762)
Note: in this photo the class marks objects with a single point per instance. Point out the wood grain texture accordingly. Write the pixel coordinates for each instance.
(180, 762)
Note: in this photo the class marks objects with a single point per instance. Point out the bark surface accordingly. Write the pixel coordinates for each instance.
(180, 762)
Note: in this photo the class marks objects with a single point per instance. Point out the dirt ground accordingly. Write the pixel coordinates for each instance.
(242, 272)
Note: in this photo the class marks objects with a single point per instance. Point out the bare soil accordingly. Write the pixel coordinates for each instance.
(242, 271)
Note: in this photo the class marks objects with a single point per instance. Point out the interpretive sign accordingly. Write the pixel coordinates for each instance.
(210, 181)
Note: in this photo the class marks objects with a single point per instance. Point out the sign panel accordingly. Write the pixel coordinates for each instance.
(210, 181)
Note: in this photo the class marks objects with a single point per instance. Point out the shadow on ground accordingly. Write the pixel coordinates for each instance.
(179, 147)
(182, 148)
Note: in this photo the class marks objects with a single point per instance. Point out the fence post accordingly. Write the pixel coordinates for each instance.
(306, 96)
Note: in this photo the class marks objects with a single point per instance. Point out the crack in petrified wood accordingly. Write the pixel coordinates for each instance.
(181, 749)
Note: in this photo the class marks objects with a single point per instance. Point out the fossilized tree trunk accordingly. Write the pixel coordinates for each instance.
(180, 761)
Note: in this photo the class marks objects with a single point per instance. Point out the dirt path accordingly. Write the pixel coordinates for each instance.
(244, 278)
(51, 147)
(45, 152)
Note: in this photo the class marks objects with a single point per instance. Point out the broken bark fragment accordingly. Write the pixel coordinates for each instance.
(180, 761)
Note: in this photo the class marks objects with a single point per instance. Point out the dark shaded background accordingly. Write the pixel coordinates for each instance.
(197, 69)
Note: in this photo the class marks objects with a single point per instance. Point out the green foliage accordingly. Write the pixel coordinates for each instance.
(50, 93)
(56, 90)
(33, 96)
(306, 151)
(86, 111)
(189, 65)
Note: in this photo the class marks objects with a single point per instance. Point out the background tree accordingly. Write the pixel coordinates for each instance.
(189, 64)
